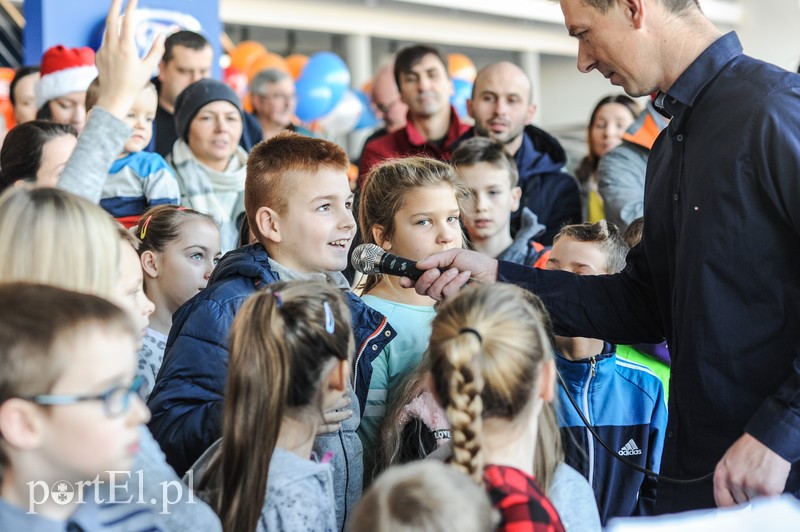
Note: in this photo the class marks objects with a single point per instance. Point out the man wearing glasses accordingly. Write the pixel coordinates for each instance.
(275, 102)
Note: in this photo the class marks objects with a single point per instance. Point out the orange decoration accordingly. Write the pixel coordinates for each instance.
(266, 61)
(459, 66)
(245, 54)
(6, 75)
(296, 63)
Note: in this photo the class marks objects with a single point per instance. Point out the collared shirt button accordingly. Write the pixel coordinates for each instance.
(675, 197)
(387, 334)
(679, 137)
(374, 347)
(673, 100)
(670, 434)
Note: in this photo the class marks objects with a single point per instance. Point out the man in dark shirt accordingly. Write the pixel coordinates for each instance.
(726, 167)
(187, 58)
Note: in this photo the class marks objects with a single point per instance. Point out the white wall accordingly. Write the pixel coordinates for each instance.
(770, 30)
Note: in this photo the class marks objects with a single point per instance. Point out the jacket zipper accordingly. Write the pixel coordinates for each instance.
(372, 336)
(589, 437)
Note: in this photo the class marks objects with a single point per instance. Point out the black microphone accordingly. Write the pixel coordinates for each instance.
(371, 259)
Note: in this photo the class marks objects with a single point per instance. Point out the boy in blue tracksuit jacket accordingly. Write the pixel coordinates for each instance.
(622, 400)
(298, 199)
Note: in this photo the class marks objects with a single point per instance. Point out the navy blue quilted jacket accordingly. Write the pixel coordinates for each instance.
(186, 402)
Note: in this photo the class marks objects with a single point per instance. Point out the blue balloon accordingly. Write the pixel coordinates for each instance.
(327, 69)
(461, 93)
(368, 118)
(314, 99)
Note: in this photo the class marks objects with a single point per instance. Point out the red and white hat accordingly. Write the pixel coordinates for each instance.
(64, 70)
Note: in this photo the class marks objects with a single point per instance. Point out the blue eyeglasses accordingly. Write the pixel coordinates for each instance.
(116, 400)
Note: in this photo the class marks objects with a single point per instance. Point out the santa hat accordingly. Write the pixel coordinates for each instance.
(64, 70)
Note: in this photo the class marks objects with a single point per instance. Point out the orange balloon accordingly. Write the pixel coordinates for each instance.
(266, 61)
(459, 66)
(296, 63)
(6, 75)
(367, 87)
(245, 53)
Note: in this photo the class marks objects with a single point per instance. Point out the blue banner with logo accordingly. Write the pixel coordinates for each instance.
(81, 22)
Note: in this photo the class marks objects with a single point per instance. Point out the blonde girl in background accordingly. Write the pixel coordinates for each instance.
(178, 250)
(409, 207)
(289, 363)
(52, 237)
(492, 368)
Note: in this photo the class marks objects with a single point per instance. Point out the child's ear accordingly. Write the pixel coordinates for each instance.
(339, 374)
(21, 424)
(516, 194)
(149, 262)
(267, 225)
(88, 114)
(378, 235)
(547, 381)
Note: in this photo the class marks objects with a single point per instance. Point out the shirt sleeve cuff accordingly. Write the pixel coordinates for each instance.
(778, 427)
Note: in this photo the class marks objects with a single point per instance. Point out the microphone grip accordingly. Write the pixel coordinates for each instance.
(399, 266)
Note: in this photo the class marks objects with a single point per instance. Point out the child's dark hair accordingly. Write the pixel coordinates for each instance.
(281, 341)
(160, 225)
(485, 150)
(385, 191)
(35, 323)
(21, 154)
(20, 73)
(604, 234)
(633, 234)
(488, 346)
(273, 163)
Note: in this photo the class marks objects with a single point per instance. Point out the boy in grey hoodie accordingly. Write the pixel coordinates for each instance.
(491, 175)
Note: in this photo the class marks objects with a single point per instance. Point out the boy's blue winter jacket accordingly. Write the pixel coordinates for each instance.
(624, 402)
(186, 402)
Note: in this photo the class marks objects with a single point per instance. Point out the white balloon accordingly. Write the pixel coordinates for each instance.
(345, 115)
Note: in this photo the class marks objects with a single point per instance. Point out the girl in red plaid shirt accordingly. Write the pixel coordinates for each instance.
(492, 368)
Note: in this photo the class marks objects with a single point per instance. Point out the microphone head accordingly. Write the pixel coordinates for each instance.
(366, 258)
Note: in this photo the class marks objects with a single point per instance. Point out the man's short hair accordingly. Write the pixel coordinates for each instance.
(408, 57)
(267, 77)
(485, 150)
(603, 233)
(185, 38)
(673, 6)
(272, 164)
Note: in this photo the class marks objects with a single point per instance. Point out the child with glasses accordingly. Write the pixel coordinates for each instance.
(69, 412)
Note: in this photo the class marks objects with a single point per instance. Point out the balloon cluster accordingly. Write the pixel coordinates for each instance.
(322, 81)
(462, 71)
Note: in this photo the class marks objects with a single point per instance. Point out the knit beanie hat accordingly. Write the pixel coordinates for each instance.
(64, 70)
(197, 95)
